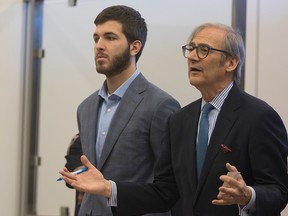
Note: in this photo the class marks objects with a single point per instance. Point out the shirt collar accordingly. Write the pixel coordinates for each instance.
(219, 99)
(103, 93)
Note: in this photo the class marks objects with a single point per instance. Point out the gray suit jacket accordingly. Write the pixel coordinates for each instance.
(133, 142)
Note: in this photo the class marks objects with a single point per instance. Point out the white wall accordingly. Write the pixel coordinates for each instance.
(68, 74)
(10, 106)
(266, 63)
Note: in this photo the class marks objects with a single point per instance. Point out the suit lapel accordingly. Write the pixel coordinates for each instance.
(191, 124)
(225, 121)
(90, 128)
(125, 110)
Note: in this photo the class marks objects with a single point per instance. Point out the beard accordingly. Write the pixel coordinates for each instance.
(118, 64)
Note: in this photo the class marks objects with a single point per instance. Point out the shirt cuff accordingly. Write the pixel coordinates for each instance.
(112, 201)
(250, 207)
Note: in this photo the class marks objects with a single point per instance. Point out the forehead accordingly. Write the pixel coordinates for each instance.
(109, 26)
(211, 36)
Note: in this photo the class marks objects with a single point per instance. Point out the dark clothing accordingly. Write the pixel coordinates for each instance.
(257, 138)
(72, 162)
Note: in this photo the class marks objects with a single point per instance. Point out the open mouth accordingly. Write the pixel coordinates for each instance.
(195, 69)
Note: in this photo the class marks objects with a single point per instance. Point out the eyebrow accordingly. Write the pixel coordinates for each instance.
(203, 44)
(106, 34)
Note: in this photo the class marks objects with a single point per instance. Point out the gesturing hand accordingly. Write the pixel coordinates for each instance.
(92, 181)
(234, 190)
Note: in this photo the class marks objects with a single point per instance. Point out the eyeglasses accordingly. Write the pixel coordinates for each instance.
(202, 50)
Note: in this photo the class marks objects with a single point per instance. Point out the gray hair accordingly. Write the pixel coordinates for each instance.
(233, 44)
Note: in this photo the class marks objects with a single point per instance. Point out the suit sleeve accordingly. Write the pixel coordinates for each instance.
(159, 123)
(269, 164)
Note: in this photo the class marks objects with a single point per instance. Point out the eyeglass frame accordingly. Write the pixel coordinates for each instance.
(184, 49)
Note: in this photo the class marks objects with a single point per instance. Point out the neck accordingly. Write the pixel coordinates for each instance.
(114, 82)
(210, 92)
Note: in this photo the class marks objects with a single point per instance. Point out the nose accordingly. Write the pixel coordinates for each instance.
(193, 54)
(99, 45)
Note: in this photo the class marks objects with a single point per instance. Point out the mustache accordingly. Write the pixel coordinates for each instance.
(101, 55)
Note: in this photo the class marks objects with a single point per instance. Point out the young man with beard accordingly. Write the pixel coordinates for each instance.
(121, 125)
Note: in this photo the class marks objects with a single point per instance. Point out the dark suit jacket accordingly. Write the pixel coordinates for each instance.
(73, 162)
(133, 142)
(257, 138)
(73, 155)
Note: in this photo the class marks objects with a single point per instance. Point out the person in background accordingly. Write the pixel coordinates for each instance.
(244, 137)
(122, 124)
(73, 163)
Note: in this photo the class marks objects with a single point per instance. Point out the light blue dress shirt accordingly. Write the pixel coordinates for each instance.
(107, 110)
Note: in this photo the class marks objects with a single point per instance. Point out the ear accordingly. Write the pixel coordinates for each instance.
(231, 63)
(135, 47)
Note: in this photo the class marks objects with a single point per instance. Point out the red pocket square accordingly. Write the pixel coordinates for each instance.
(225, 149)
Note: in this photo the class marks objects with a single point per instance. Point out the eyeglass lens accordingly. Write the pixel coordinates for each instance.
(201, 51)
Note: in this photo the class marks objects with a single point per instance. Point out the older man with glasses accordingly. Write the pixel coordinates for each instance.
(225, 153)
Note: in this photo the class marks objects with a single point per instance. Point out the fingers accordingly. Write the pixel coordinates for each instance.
(234, 189)
(86, 162)
(223, 199)
(67, 174)
(84, 159)
(230, 181)
(231, 168)
(228, 192)
(226, 196)
(229, 196)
